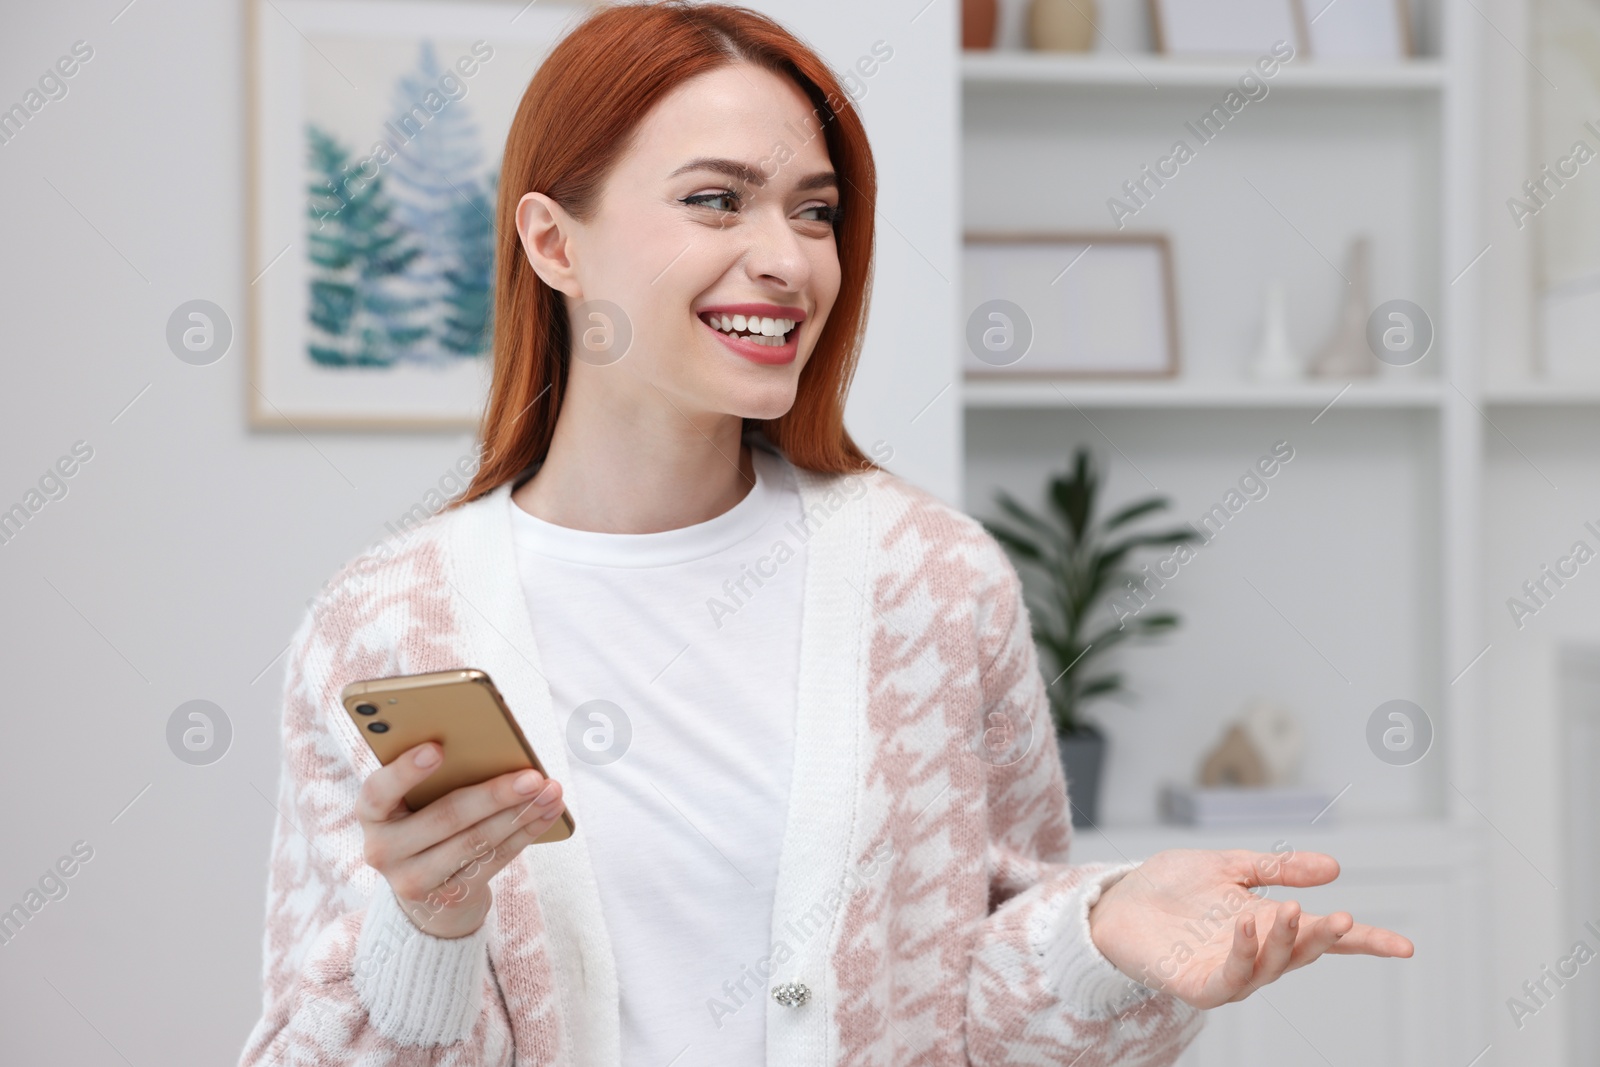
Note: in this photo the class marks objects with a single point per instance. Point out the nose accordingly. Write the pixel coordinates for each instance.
(776, 255)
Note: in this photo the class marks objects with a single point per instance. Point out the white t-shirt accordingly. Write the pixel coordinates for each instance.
(673, 660)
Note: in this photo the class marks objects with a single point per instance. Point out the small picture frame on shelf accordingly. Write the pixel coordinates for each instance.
(1070, 305)
(1357, 31)
(1227, 27)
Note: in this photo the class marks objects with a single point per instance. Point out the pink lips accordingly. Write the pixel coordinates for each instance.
(758, 353)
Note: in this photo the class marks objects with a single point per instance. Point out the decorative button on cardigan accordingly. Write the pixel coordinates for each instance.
(924, 898)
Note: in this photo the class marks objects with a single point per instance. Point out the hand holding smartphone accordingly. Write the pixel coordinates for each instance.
(459, 795)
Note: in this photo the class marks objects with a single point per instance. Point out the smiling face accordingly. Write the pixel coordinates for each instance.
(714, 233)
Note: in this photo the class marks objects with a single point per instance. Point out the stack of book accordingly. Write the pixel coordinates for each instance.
(1192, 805)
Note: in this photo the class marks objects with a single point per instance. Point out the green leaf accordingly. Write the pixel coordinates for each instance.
(1056, 657)
(1015, 543)
(1105, 567)
(1153, 540)
(1073, 495)
(1136, 510)
(1108, 683)
(1011, 507)
(1111, 636)
(1072, 567)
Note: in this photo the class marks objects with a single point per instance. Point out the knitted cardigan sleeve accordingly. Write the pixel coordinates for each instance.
(1039, 991)
(348, 978)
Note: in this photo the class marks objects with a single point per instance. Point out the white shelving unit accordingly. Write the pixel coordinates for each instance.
(1047, 139)
(1110, 71)
(1001, 394)
(1533, 394)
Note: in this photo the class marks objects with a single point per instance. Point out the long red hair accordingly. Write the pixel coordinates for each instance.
(575, 119)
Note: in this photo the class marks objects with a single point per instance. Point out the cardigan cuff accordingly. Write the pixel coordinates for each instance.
(418, 989)
(1088, 983)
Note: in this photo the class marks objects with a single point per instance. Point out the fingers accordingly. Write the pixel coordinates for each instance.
(438, 860)
(452, 813)
(1297, 869)
(382, 795)
(450, 897)
(1318, 934)
(1276, 948)
(479, 852)
(1364, 940)
(1233, 977)
(1304, 869)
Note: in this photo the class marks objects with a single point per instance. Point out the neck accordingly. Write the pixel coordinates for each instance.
(636, 464)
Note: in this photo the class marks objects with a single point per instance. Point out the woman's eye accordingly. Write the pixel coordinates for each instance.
(711, 200)
(826, 213)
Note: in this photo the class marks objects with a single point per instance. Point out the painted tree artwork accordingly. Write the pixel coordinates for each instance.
(378, 128)
(401, 259)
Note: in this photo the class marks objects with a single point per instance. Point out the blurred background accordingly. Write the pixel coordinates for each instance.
(1317, 282)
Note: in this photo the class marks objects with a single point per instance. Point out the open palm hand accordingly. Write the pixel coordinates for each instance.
(1185, 922)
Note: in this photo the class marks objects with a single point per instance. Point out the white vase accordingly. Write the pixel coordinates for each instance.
(1275, 359)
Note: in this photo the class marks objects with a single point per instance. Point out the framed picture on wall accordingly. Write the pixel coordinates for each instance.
(1069, 306)
(1226, 27)
(376, 131)
(1357, 31)
(1567, 270)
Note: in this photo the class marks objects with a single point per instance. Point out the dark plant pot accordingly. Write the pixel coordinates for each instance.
(1082, 755)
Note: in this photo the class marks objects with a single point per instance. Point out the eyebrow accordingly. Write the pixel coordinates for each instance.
(745, 173)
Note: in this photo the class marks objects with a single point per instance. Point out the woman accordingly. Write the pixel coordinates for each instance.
(764, 673)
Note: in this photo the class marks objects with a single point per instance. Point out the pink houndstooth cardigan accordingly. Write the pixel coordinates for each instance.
(924, 898)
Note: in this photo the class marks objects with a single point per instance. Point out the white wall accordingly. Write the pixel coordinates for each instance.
(1537, 922)
(178, 563)
(1527, 522)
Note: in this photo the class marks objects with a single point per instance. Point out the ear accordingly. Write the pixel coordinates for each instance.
(547, 231)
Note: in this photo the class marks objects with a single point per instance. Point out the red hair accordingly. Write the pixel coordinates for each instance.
(575, 119)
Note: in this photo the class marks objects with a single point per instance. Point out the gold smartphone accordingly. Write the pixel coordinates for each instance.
(461, 710)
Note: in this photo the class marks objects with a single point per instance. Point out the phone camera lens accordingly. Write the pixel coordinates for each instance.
(379, 727)
(366, 709)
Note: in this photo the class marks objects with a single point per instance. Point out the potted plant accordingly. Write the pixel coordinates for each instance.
(1071, 562)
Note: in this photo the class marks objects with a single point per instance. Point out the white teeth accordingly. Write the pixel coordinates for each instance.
(764, 331)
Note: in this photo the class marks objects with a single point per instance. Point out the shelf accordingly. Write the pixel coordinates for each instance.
(1000, 68)
(1395, 149)
(1539, 393)
(1403, 844)
(987, 393)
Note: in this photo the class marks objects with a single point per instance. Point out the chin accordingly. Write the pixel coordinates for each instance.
(760, 402)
